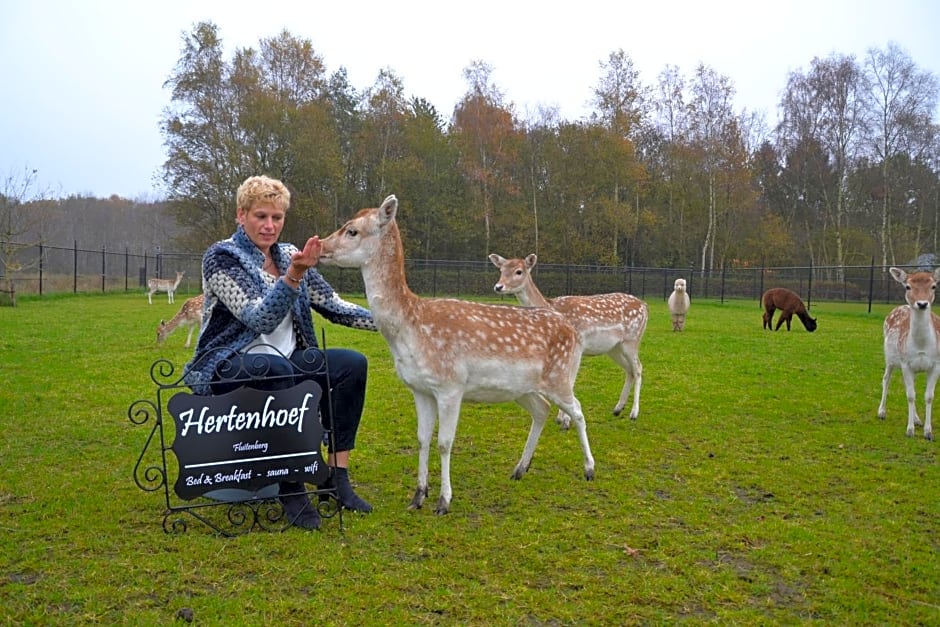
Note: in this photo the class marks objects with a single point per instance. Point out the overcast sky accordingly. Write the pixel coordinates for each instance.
(83, 80)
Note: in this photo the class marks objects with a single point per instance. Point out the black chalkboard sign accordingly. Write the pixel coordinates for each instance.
(247, 439)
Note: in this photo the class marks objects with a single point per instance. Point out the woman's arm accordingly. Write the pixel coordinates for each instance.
(258, 307)
(326, 302)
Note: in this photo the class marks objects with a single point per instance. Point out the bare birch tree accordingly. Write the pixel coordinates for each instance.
(903, 100)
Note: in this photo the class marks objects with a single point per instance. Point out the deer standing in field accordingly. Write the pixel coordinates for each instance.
(447, 350)
(608, 324)
(789, 303)
(679, 304)
(912, 344)
(164, 285)
(189, 315)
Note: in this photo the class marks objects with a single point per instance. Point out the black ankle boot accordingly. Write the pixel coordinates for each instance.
(339, 478)
(298, 509)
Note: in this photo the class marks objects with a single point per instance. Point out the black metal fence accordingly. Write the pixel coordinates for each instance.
(42, 269)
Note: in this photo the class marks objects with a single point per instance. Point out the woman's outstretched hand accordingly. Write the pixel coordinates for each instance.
(307, 258)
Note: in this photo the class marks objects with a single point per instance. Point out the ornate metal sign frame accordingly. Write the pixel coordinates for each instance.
(229, 512)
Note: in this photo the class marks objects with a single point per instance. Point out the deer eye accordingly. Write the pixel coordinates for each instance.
(352, 232)
(518, 272)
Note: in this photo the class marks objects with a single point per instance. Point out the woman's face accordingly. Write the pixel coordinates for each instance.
(263, 223)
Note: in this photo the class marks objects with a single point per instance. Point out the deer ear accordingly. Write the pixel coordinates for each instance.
(497, 260)
(531, 260)
(388, 210)
(898, 274)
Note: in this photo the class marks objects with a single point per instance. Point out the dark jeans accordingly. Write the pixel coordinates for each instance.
(346, 370)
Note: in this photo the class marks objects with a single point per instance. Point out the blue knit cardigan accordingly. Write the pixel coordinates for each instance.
(241, 304)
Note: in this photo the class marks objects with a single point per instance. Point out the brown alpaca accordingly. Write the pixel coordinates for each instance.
(788, 303)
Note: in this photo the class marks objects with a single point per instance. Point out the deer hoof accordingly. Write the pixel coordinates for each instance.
(418, 500)
(443, 506)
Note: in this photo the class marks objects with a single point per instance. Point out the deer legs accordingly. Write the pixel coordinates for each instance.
(536, 405)
(630, 362)
(912, 418)
(426, 408)
(445, 411)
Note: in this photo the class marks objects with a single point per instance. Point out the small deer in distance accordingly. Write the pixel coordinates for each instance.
(189, 315)
(164, 285)
(789, 303)
(609, 324)
(912, 344)
(447, 351)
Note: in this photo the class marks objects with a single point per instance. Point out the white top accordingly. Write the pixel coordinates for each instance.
(282, 338)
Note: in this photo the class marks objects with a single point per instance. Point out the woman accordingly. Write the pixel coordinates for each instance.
(258, 294)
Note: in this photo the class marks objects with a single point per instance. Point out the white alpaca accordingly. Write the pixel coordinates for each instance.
(679, 305)
(912, 344)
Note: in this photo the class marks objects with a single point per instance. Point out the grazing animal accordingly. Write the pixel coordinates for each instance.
(912, 344)
(189, 315)
(448, 350)
(164, 285)
(609, 324)
(788, 303)
(679, 305)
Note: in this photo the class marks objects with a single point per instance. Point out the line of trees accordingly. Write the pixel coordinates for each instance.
(666, 174)
(660, 174)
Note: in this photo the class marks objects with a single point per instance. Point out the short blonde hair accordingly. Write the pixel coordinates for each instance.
(257, 189)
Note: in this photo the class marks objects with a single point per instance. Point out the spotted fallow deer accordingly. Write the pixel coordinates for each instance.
(911, 341)
(608, 324)
(164, 285)
(447, 351)
(189, 315)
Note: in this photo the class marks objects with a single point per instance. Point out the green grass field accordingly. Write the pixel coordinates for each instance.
(756, 487)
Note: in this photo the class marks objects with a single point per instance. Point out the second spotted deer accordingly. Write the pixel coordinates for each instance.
(608, 324)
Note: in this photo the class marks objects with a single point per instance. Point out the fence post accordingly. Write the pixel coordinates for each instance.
(760, 291)
(41, 267)
(871, 283)
(809, 286)
(75, 266)
(724, 271)
(127, 261)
